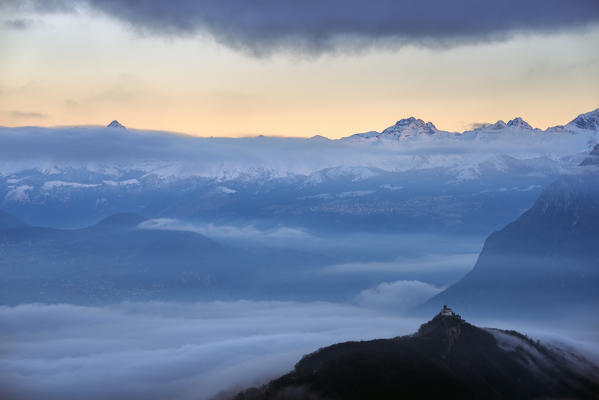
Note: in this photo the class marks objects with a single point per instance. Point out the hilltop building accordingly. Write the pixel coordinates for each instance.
(446, 311)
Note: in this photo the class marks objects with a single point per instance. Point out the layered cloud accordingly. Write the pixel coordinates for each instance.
(167, 154)
(246, 232)
(428, 262)
(167, 350)
(317, 26)
(190, 351)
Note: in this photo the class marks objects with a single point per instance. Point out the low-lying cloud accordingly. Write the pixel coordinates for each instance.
(398, 295)
(195, 350)
(17, 114)
(170, 155)
(369, 253)
(244, 232)
(168, 350)
(422, 263)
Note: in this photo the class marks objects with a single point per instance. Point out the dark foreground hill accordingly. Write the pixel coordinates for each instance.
(447, 358)
(544, 263)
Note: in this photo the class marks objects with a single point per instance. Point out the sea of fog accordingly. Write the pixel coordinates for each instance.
(189, 351)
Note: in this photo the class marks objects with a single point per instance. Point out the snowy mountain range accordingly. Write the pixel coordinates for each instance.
(416, 129)
(78, 175)
(404, 129)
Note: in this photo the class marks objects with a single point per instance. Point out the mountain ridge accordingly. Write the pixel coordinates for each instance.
(118, 259)
(543, 262)
(412, 127)
(589, 120)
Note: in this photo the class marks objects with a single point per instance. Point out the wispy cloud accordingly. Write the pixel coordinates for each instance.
(167, 350)
(431, 262)
(398, 295)
(27, 114)
(191, 351)
(245, 232)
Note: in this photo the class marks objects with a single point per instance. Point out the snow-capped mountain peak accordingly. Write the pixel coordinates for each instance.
(404, 129)
(588, 120)
(519, 123)
(408, 127)
(413, 128)
(497, 125)
(115, 124)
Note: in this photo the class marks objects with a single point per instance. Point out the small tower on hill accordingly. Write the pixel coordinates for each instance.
(447, 312)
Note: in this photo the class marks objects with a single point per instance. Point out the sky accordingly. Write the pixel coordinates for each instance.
(283, 68)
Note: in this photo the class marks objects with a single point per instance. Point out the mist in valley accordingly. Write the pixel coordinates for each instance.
(155, 350)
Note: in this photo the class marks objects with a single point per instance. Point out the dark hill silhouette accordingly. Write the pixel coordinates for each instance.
(446, 358)
(116, 260)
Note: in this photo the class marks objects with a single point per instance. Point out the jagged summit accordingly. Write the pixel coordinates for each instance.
(409, 127)
(497, 125)
(519, 123)
(516, 123)
(115, 124)
(404, 129)
(588, 120)
(412, 128)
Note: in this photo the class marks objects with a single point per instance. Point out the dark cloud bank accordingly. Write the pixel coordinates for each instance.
(315, 26)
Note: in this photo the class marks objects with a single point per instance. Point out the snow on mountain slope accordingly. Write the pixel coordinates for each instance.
(519, 123)
(413, 129)
(87, 157)
(587, 121)
(404, 129)
(515, 127)
(50, 185)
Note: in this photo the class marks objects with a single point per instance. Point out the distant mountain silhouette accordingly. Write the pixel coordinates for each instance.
(447, 358)
(545, 262)
(116, 260)
(9, 221)
(115, 124)
(119, 221)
